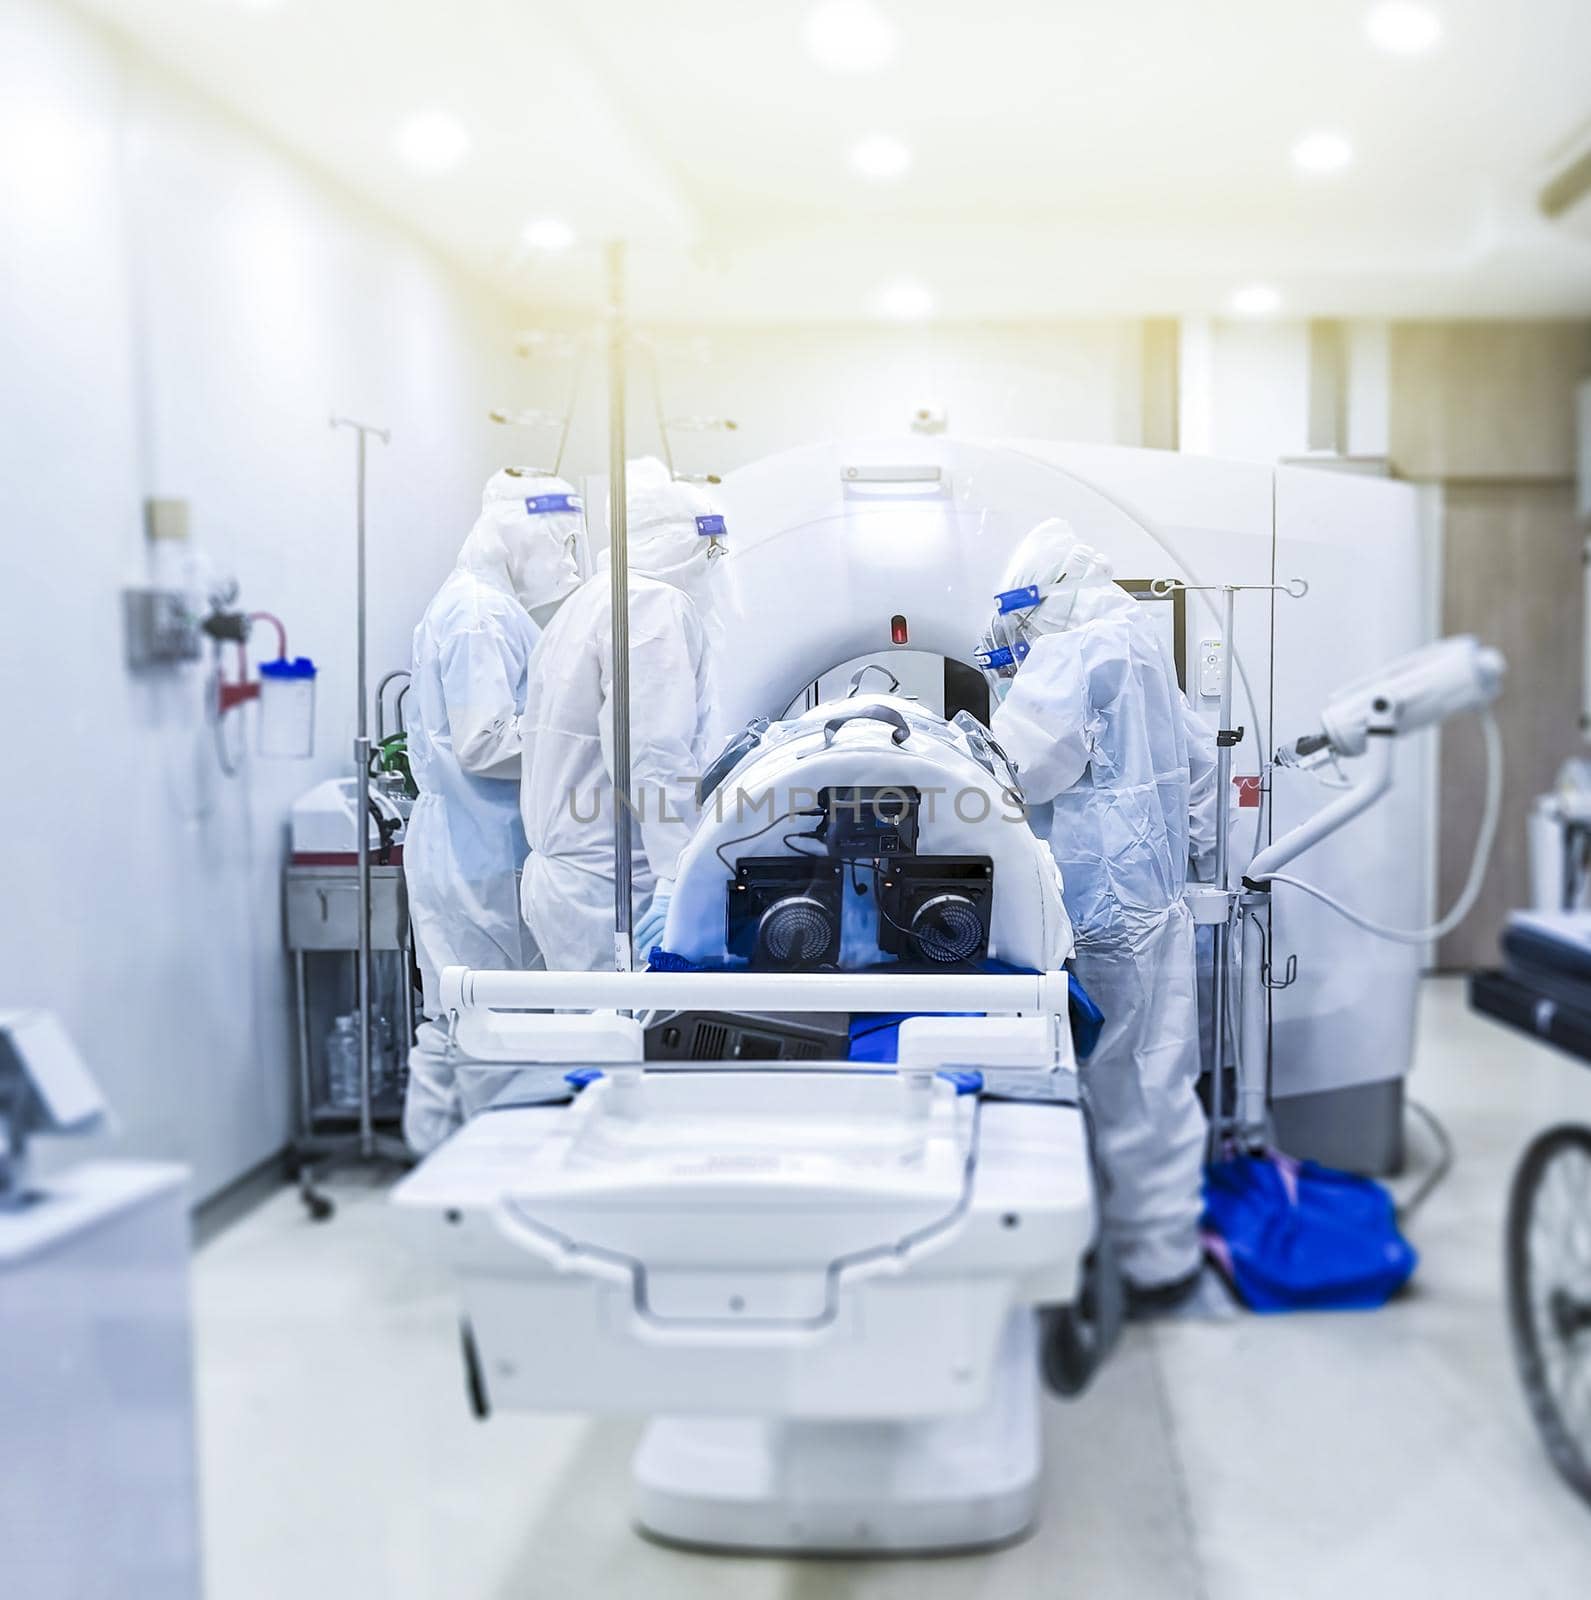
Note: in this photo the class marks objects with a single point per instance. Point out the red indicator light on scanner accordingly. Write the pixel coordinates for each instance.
(897, 630)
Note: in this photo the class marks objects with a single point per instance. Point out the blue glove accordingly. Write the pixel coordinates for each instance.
(649, 930)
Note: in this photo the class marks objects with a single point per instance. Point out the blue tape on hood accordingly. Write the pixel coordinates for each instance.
(711, 527)
(540, 505)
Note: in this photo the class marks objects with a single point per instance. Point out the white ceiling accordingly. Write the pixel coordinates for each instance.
(1073, 157)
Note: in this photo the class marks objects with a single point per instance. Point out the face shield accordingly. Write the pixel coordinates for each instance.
(543, 540)
(676, 535)
(713, 530)
(998, 661)
(1024, 614)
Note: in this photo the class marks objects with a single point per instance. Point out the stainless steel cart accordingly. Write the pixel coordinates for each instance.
(321, 917)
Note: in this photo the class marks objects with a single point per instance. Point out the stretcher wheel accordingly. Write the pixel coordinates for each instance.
(1070, 1350)
(1549, 1294)
(1075, 1339)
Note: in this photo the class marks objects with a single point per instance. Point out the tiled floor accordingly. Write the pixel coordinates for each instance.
(1386, 1454)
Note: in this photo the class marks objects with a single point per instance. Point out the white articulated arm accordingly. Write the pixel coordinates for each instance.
(1330, 818)
(1417, 691)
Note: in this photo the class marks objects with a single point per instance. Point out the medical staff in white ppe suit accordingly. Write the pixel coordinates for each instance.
(467, 698)
(675, 539)
(1119, 776)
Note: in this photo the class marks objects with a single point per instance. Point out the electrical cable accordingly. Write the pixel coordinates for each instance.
(1479, 862)
(746, 838)
(877, 871)
(1429, 1184)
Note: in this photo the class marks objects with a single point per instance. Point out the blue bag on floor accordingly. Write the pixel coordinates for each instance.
(1294, 1236)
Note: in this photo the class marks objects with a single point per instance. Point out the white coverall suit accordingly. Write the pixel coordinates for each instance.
(1101, 734)
(567, 796)
(464, 842)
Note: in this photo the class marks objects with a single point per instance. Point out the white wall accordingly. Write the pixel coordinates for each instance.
(181, 308)
(1244, 388)
(789, 387)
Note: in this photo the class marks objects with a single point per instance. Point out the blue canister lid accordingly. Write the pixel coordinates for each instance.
(298, 667)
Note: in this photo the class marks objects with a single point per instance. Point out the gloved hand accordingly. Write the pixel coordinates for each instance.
(649, 930)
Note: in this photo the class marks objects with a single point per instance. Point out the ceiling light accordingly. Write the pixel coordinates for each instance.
(1257, 300)
(432, 142)
(1403, 28)
(881, 156)
(1322, 153)
(548, 234)
(905, 301)
(849, 36)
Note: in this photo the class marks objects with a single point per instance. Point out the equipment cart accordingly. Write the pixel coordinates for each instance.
(321, 916)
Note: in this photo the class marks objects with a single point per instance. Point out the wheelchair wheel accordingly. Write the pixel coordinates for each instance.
(1549, 1294)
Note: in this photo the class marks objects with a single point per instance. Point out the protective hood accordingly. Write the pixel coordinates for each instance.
(1054, 581)
(526, 540)
(676, 533)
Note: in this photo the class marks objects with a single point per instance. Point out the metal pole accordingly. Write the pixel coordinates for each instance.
(1223, 755)
(1253, 1094)
(619, 602)
(367, 1131)
(1222, 975)
(361, 797)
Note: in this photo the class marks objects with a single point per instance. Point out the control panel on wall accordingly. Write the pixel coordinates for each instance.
(1211, 666)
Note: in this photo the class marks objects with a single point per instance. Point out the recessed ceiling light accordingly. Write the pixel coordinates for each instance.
(849, 36)
(1403, 28)
(906, 301)
(550, 234)
(881, 156)
(1322, 152)
(1257, 300)
(432, 142)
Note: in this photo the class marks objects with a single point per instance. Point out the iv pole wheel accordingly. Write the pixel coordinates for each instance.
(321, 1207)
(1549, 1294)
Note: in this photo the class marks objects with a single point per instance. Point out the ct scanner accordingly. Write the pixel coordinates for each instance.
(817, 1278)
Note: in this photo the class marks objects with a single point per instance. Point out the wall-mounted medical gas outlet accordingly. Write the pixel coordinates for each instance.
(1212, 663)
(161, 629)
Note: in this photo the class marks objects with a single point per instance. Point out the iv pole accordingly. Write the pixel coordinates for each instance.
(367, 1133)
(619, 602)
(1251, 1064)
